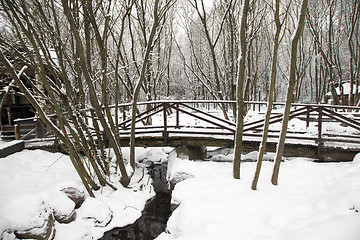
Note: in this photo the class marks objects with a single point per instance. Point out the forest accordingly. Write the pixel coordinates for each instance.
(90, 56)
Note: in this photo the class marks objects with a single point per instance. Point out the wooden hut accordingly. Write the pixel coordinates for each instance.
(343, 93)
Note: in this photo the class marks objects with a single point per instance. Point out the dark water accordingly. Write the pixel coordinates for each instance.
(155, 215)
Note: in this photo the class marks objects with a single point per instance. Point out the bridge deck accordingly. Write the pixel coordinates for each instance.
(172, 128)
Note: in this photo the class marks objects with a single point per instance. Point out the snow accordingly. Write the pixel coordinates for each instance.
(312, 201)
(95, 212)
(31, 183)
(4, 144)
(25, 213)
(346, 89)
(61, 206)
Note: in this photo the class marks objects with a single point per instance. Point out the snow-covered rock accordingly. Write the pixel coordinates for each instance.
(179, 177)
(5, 229)
(8, 236)
(221, 158)
(74, 193)
(73, 231)
(63, 208)
(29, 217)
(95, 212)
(156, 155)
(356, 160)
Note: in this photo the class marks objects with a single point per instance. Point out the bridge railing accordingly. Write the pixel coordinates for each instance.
(171, 125)
(319, 113)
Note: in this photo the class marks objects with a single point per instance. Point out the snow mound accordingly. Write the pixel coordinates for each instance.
(156, 155)
(5, 232)
(356, 160)
(297, 124)
(222, 158)
(95, 212)
(74, 192)
(29, 217)
(73, 231)
(62, 207)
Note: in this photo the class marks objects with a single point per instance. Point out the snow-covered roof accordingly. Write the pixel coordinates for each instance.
(346, 89)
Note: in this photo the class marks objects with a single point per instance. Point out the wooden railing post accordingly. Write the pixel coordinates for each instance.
(17, 131)
(37, 124)
(308, 108)
(123, 114)
(177, 116)
(8, 109)
(319, 131)
(165, 132)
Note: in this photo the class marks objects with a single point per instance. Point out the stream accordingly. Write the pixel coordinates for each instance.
(155, 214)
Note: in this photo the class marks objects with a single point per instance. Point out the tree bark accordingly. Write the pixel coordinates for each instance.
(262, 146)
(150, 43)
(289, 97)
(240, 94)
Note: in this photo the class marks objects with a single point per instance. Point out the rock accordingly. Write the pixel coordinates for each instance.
(30, 218)
(75, 194)
(191, 152)
(63, 208)
(8, 236)
(5, 229)
(95, 212)
(179, 177)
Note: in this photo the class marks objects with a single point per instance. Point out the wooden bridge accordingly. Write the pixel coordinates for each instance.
(213, 130)
(209, 128)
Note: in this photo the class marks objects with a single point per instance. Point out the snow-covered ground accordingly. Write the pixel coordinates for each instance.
(319, 201)
(31, 183)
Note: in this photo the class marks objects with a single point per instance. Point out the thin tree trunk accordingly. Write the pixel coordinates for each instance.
(78, 167)
(262, 146)
(142, 77)
(289, 97)
(240, 93)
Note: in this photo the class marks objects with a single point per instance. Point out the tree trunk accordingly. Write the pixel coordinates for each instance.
(289, 97)
(240, 93)
(262, 146)
(149, 47)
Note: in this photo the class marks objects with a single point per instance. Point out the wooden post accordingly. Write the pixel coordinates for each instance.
(37, 127)
(165, 133)
(57, 144)
(319, 131)
(177, 116)
(17, 131)
(308, 116)
(9, 114)
(124, 113)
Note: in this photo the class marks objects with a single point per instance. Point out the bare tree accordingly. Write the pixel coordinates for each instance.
(240, 94)
(54, 39)
(289, 97)
(159, 14)
(277, 40)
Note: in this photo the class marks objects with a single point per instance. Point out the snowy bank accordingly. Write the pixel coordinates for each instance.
(312, 201)
(36, 181)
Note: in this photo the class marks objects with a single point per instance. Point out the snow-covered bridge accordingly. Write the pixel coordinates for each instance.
(325, 132)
